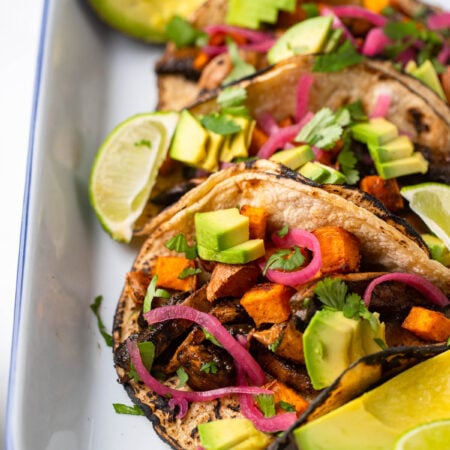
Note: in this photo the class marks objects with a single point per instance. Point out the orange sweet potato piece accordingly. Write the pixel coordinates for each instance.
(340, 250)
(257, 141)
(231, 280)
(268, 303)
(427, 324)
(387, 191)
(168, 269)
(257, 221)
(283, 393)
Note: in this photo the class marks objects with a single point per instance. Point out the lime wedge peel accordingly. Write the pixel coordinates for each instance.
(428, 436)
(125, 169)
(431, 202)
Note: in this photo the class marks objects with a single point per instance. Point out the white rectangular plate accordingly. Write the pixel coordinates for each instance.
(63, 381)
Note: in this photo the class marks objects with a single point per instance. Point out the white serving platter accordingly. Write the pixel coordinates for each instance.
(63, 383)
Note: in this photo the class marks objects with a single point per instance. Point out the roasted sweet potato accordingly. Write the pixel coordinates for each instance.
(257, 221)
(340, 250)
(136, 285)
(268, 303)
(427, 324)
(231, 280)
(283, 393)
(387, 191)
(168, 270)
(258, 139)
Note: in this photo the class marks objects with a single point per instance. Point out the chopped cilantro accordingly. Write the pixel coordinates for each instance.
(266, 404)
(209, 367)
(182, 33)
(285, 259)
(347, 159)
(232, 96)
(211, 338)
(310, 9)
(275, 344)
(345, 56)
(220, 124)
(188, 272)
(240, 69)
(151, 293)
(183, 377)
(401, 30)
(284, 231)
(286, 406)
(356, 110)
(143, 143)
(95, 307)
(134, 410)
(147, 352)
(180, 245)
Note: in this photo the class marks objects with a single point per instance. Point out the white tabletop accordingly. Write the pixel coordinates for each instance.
(19, 41)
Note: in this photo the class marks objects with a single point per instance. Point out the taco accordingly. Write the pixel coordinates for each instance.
(327, 235)
(228, 41)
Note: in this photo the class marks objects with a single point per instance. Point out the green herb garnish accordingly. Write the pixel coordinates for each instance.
(347, 159)
(188, 272)
(345, 56)
(286, 406)
(220, 124)
(241, 69)
(275, 344)
(134, 410)
(209, 367)
(179, 244)
(95, 307)
(151, 293)
(182, 33)
(147, 352)
(285, 259)
(284, 231)
(211, 338)
(266, 404)
(183, 377)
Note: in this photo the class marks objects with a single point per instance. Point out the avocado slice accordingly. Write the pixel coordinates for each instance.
(306, 37)
(189, 140)
(236, 145)
(142, 19)
(427, 74)
(416, 163)
(313, 171)
(213, 148)
(294, 157)
(438, 249)
(221, 229)
(375, 132)
(399, 147)
(239, 254)
(374, 420)
(232, 434)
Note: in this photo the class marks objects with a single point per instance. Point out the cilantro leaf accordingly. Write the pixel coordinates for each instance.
(220, 124)
(345, 56)
(183, 377)
(266, 404)
(209, 367)
(286, 406)
(95, 307)
(275, 344)
(134, 410)
(147, 352)
(284, 231)
(240, 69)
(211, 338)
(401, 30)
(188, 272)
(332, 293)
(182, 33)
(347, 160)
(232, 96)
(180, 245)
(284, 259)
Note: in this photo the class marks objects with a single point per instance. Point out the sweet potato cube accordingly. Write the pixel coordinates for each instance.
(231, 280)
(427, 324)
(387, 191)
(257, 221)
(268, 303)
(283, 393)
(340, 250)
(168, 270)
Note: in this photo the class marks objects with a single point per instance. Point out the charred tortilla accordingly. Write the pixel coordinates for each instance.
(289, 200)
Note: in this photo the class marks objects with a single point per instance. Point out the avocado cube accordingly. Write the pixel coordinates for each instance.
(294, 157)
(221, 229)
(236, 145)
(239, 254)
(376, 131)
(438, 249)
(189, 140)
(213, 148)
(397, 148)
(314, 171)
(426, 73)
(416, 163)
(306, 37)
(333, 176)
(226, 434)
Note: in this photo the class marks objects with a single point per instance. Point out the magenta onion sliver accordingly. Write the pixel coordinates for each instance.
(429, 290)
(259, 47)
(381, 107)
(303, 88)
(213, 325)
(278, 140)
(279, 422)
(438, 21)
(300, 238)
(375, 42)
(251, 35)
(337, 23)
(178, 397)
(267, 123)
(358, 12)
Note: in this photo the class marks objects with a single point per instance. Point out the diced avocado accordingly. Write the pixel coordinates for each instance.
(189, 141)
(427, 74)
(221, 229)
(415, 163)
(333, 40)
(239, 254)
(236, 145)
(399, 147)
(333, 175)
(331, 342)
(213, 148)
(294, 157)
(313, 171)
(437, 248)
(376, 419)
(232, 434)
(376, 131)
(306, 37)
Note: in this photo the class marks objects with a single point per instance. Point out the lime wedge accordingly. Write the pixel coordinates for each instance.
(428, 436)
(143, 19)
(125, 170)
(431, 202)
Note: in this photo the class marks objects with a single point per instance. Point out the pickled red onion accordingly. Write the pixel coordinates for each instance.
(259, 47)
(301, 238)
(251, 35)
(214, 326)
(278, 140)
(359, 12)
(429, 290)
(375, 42)
(438, 21)
(303, 88)
(181, 398)
(381, 107)
(337, 23)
